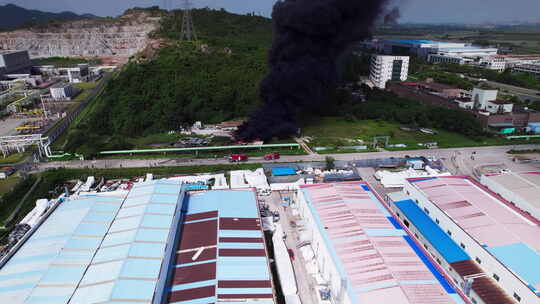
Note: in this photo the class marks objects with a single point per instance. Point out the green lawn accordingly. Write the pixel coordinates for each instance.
(335, 132)
(83, 95)
(12, 159)
(7, 184)
(85, 85)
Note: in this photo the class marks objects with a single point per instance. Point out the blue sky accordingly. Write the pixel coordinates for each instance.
(464, 11)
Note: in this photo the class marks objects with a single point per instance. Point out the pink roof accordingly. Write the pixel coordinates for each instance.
(381, 267)
(482, 215)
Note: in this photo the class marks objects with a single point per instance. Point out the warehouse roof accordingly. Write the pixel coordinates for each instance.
(220, 255)
(487, 219)
(96, 249)
(525, 184)
(449, 250)
(360, 233)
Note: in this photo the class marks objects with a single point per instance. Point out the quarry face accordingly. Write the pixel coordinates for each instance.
(103, 37)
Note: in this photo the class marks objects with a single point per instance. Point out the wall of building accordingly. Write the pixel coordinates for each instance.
(382, 69)
(14, 61)
(327, 266)
(507, 280)
(481, 97)
(510, 196)
(451, 272)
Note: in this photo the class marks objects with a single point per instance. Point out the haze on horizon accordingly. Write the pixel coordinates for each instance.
(414, 11)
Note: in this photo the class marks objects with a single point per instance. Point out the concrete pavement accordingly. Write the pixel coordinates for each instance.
(497, 152)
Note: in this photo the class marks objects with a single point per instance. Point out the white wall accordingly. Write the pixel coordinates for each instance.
(382, 67)
(510, 196)
(508, 281)
(327, 267)
(481, 97)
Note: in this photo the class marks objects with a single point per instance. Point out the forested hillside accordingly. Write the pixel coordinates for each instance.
(13, 16)
(213, 79)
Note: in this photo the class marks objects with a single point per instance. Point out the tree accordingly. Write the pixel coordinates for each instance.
(330, 165)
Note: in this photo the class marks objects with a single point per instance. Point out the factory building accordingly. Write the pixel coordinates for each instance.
(423, 48)
(520, 189)
(161, 241)
(500, 238)
(532, 69)
(62, 91)
(362, 253)
(219, 254)
(13, 61)
(388, 68)
(486, 100)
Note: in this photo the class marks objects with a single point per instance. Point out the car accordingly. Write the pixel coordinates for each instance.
(238, 158)
(272, 156)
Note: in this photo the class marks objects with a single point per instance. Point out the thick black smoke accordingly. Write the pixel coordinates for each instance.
(392, 16)
(309, 37)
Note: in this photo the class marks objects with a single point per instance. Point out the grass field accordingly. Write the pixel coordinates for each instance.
(7, 184)
(12, 159)
(335, 132)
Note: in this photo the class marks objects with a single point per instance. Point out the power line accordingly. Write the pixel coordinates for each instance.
(188, 29)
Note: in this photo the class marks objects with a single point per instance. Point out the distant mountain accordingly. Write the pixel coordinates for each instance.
(13, 16)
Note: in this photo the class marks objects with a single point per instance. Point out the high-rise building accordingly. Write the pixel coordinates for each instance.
(388, 68)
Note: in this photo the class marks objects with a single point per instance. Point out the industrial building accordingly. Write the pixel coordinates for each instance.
(219, 253)
(520, 189)
(13, 61)
(161, 241)
(486, 100)
(62, 91)
(502, 240)
(423, 48)
(362, 254)
(532, 69)
(388, 68)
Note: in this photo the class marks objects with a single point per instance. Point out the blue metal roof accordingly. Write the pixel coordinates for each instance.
(96, 248)
(283, 171)
(449, 250)
(231, 255)
(417, 42)
(521, 259)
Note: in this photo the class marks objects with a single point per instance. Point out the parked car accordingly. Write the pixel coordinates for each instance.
(272, 156)
(238, 158)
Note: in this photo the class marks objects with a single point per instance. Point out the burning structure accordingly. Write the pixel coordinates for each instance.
(309, 37)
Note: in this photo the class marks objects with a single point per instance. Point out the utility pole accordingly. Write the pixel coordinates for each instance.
(188, 29)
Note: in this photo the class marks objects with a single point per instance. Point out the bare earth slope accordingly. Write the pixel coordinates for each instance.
(103, 37)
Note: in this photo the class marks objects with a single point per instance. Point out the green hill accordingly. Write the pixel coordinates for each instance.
(213, 79)
(13, 16)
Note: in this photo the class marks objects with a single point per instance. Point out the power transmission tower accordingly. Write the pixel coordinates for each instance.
(188, 29)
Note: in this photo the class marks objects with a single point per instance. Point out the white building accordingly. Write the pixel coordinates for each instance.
(533, 69)
(486, 100)
(436, 58)
(388, 68)
(464, 103)
(62, 91)
(356, 253)
(520, 189)
(502, 240)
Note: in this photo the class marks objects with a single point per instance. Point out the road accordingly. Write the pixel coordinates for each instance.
(522, 93)
(496, 151)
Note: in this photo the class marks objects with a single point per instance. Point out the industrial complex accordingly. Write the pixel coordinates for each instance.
(402, 222)
(297, 234)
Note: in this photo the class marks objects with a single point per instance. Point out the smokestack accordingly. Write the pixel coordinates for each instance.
(309, 37)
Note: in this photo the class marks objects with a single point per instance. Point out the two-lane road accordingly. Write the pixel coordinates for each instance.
(495, 151)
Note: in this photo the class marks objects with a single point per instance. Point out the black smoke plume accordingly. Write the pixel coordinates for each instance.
(309, 37)
(392, 16)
